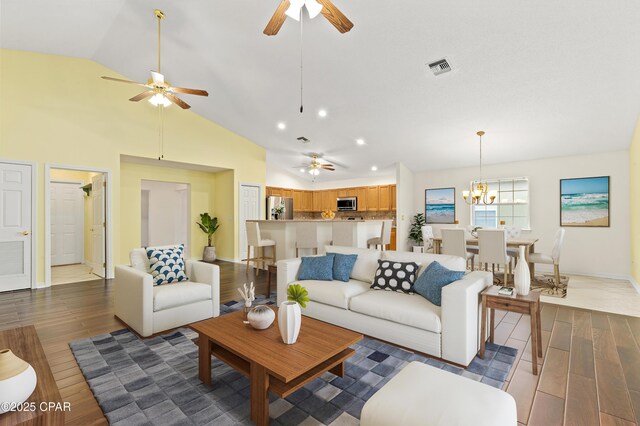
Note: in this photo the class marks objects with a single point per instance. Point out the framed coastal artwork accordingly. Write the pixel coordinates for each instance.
(440, 205)
(584, 202)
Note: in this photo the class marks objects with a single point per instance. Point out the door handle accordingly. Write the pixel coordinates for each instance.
(25, 232)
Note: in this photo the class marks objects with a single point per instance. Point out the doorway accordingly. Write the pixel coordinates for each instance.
(76, 225)
(249, 210)
(164, 214)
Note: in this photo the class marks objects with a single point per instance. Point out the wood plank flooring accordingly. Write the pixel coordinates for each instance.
(590, 374)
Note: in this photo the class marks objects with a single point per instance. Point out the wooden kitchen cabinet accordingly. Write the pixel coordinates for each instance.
(361, 193)
(384, 198)
(392, 244)
(287, 193)
(317, 201)
(393, 197)
(329, 198)
(273, 191)
(343, 193)
(307, 201)
(297, 200)
(373, 201)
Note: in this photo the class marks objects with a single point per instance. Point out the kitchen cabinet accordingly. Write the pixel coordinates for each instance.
(317, 201)
(392, 244)
(343, 193)
(393, 198)
(287, 193)
(373, 201)
(307, 201)
(361, 193)
(297, 200)
(329, 198)
(384, 198)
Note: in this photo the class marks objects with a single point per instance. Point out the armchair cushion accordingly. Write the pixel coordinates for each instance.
(167, 264)
(179, 294)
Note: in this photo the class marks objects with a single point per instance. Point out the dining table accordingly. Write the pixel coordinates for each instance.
(529, 244)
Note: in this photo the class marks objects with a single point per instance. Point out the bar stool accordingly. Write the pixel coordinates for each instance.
(342, 234)
(384, 238)
(306, 236)
(255, 240)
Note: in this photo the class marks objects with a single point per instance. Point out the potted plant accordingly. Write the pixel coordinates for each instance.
(278, 211)
(209, 226)
(289, 314)
(415, 232)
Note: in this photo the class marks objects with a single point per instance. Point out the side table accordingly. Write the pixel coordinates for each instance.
(529, 304)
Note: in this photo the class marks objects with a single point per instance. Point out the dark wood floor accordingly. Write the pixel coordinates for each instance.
(590, 374)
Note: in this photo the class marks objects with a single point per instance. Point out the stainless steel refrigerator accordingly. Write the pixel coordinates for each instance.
(276, 204)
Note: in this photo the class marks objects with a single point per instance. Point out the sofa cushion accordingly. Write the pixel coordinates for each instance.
(366, 264)
(316, 268)
(167, 264)
(179, 294)
(395, 276)
(429, 284)
(334, 293)
(454, 263)
(343, 265)
(408, 309)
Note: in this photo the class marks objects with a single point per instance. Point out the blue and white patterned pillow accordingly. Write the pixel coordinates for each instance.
(167, 265)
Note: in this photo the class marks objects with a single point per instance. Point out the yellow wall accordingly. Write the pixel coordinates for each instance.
(634, 170)
(68, 115)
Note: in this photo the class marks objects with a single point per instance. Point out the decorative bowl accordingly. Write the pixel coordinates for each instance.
(261, 317)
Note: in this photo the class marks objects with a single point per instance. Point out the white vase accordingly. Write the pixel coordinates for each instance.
(521, 276)
(289, 320)
(17, 379)
(261, 317)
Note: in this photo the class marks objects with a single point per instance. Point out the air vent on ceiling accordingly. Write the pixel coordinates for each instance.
(303, 139)
(440, 67)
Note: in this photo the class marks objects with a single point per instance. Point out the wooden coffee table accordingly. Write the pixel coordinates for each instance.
(271, 365)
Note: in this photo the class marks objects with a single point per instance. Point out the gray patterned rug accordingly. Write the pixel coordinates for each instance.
(155, 381)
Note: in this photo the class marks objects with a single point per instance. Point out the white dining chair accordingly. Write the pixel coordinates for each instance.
(472, 248)
(554, 259)
(255, 240)
(427, 238)
(493, 250)
(454, 242)
(384, 238)
(306, 236)
(513, 233)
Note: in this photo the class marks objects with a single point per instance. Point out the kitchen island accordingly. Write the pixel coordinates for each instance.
(283, 232)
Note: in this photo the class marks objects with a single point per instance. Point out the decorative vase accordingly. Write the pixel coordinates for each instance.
(209, 254)
(17, 379)
(245, 311)
(521, 276)
(261, 317)
(289, 320)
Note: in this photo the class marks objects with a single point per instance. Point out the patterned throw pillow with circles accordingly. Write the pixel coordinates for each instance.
(395, 276)
(167, 264)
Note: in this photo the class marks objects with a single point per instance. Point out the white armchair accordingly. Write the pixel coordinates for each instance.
(149, 309)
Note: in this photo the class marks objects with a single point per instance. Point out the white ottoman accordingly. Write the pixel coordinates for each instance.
(427, 396)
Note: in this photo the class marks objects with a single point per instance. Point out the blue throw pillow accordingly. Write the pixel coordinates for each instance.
(316, 268)
(430, 283)
(342, 265)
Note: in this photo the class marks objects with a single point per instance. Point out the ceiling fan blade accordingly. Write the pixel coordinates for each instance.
(142, 96)
(119, 80)
(176, 100)
(331, 169)
(157, 78)
(327, 166)
(189, 91)
(276, 21)
(337, 18)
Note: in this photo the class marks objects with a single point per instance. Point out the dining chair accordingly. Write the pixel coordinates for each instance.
(513, 232)
(427, 238)
(306, 236)
(384, 238)
(454, 242)
(493, 250)
(554, 258)
(472, 248)
(255, 240)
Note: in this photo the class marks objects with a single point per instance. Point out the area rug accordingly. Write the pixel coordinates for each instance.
(155, 381)
(543, 283)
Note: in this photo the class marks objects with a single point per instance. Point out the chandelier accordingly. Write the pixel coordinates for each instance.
(479, 192)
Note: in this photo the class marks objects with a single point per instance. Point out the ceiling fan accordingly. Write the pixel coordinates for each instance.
(160, 92)
(314, 166)
(293, 9)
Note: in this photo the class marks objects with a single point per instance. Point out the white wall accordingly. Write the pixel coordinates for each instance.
(281, 178)
(352, 183)
(404, 205)
(168, 213)
(596, 251)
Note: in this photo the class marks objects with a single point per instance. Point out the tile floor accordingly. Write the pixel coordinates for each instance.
(66, 274)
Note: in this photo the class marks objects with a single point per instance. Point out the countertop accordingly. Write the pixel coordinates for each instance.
(311, 220)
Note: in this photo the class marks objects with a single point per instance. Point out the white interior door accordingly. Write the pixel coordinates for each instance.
(98, 226)
(67, 223)
(15, 226)
(249, 209)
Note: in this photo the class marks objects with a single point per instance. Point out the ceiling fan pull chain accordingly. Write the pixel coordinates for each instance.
(301, 69)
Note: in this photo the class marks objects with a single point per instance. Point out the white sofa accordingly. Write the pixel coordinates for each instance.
(150, 309)
(449, 331)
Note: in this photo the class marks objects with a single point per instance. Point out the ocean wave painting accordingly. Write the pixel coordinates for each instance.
(440, 205)
(584, 202)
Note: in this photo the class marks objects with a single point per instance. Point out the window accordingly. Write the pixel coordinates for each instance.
(511, 205)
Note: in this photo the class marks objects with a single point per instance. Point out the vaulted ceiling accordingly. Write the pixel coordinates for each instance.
(542, 78)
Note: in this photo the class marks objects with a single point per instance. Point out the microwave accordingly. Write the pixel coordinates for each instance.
(349, 204)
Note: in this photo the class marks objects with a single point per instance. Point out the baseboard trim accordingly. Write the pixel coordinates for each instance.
(226, 259)
(634, 283)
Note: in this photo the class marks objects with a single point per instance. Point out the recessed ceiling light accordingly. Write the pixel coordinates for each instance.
(360, 141)
(322, 113)
(374, 168)
(282, 125)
